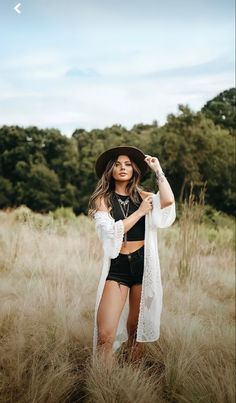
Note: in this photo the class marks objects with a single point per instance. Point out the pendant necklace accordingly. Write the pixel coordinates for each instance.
(124, 206)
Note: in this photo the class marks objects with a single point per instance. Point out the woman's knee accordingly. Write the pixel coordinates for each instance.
(106, 336)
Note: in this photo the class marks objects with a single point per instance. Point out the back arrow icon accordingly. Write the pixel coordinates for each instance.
(17, 8)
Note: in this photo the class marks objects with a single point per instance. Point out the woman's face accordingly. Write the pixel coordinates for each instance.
(123, 169)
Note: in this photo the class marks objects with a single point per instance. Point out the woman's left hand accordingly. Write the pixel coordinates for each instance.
(153, 163)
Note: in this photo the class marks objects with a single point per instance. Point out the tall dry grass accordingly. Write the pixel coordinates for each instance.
(189, 234)
(49, 271)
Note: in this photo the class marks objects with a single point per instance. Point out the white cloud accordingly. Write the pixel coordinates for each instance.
(91, 105)
(120, 56)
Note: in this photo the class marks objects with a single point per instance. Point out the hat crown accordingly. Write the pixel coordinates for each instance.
(134, 153)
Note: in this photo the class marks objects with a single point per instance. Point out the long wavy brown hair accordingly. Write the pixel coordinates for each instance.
(106, 186)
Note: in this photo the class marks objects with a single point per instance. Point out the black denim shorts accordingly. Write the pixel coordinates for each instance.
(127, 269)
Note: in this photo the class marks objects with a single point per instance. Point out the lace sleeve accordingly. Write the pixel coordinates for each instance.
(109, 232)
(162, 217)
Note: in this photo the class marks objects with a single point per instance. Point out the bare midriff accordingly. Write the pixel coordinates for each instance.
(131, 246)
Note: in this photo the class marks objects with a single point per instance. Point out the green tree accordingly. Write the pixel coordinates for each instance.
(193, 149)
(6, 192)
(45, 169)
(43, 190)
(221, 109)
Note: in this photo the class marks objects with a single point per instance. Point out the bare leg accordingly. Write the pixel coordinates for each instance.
(108, 315)
(135, 349)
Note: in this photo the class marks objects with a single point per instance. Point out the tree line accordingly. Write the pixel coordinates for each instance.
(44, 169)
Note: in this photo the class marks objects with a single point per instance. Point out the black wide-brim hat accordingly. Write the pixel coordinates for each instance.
(133, 153)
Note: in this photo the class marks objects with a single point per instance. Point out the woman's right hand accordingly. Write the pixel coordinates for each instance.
(146, 205)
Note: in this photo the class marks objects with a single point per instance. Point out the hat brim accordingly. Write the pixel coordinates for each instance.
(134, 153)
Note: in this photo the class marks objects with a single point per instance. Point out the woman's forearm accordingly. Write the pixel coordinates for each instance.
(131, 220)
(166, 194)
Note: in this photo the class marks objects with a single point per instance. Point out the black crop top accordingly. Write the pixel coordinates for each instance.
(137, 232)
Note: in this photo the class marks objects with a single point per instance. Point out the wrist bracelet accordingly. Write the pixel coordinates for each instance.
(160, 176)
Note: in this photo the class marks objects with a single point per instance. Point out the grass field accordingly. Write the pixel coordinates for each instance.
(49, 272)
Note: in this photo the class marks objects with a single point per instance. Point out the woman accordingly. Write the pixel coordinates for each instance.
(126, 218)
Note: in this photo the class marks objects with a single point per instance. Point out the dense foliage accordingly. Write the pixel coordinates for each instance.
(221, 109)
(44, 169)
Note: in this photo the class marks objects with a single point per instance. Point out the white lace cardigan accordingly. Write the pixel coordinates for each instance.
(111, 235)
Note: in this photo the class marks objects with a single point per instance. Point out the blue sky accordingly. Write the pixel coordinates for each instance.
(93, 63)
